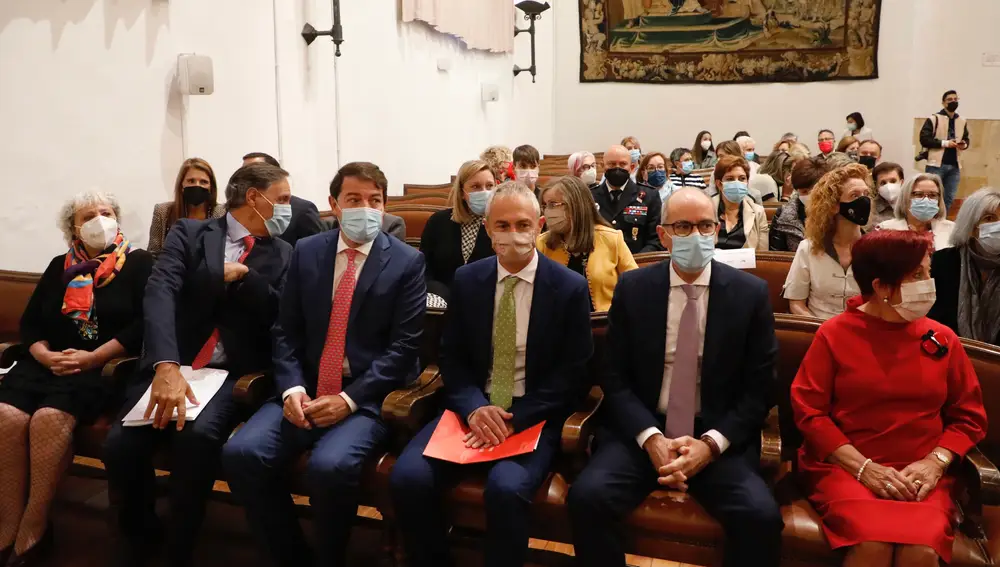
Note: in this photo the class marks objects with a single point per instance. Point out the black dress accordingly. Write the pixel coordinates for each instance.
(118, 310)
(733, 239)
(441, 243)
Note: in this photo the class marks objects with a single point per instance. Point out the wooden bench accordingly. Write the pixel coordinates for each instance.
(415, 216)
(412, 188)
(772, 267)
(438, 198)
(15, 291)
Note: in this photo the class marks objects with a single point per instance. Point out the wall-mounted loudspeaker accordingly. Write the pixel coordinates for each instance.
(194, 73)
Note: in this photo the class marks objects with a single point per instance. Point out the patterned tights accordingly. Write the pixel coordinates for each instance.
(34, 449)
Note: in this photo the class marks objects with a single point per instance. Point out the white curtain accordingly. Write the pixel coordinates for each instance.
(480, 24)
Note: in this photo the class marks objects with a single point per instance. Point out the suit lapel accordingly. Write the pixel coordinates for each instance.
(543, 298)
(715, 324)
(325, 266)
(374, 265)
(603, 201)
(481, 310)
(215, 253)
(655, 310)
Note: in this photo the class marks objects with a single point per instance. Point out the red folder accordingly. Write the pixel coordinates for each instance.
(448, 443)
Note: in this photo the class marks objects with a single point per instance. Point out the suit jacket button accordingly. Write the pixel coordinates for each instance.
(614, 222)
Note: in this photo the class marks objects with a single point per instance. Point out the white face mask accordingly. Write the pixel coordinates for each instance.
(918, 298)
(527, 175)
(590, 176)
(890, 192)
(705, 144)
(99, 232)
(513, 245)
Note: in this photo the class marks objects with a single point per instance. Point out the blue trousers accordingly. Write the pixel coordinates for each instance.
(620, 475)
(257, 458)
(194, 464)
(950, 177)
(418, 483)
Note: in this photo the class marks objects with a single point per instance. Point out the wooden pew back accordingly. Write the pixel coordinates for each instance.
(420, 198)
(413, 188)
(415, 216)
(15, 291)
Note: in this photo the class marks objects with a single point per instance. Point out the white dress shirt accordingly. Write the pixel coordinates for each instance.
(940, 228)
(523, 291)
(234, 248)
(339, 269)
(675, 308)
(820, 281)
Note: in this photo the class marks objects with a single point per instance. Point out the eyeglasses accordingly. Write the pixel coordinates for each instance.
(922, 195)
(653, 168)
(553, 206)
(684, 228)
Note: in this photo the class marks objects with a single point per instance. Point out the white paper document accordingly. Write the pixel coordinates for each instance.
(205, 383)
(741, 258)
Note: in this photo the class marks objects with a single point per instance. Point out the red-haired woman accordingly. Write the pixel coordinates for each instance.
(884, 411)
(195, 197)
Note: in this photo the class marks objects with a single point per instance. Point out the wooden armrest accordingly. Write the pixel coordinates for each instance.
(982, 479)
(252, 390)
(119, 369)
(410, 408)
(11, 352)
(579, 427)
(770, 446)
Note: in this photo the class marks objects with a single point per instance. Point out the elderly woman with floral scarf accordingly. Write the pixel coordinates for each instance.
(85, 310)
(967, 276)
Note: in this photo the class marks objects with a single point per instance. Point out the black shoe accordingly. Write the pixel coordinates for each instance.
(38, 552)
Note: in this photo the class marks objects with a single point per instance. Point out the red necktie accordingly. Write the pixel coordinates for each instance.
(204, 355)
(331, 364)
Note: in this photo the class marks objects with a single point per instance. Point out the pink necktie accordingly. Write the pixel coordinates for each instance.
(204, 355)
(684, 377)
(331, 362)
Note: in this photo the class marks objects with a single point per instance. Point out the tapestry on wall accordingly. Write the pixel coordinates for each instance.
(728, 41)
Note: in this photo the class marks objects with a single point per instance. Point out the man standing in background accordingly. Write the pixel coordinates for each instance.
(944, 140)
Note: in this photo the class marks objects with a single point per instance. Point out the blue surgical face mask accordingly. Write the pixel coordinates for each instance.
(735, 191)
(656, 178)
(361, 224)
(687, 166)
(477, 202)
(750, 155)
(693, 252)
(635, 155)
(281, 217)
(924, 209)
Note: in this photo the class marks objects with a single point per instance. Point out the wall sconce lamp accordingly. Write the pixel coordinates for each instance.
(309, 33)
(532, 12)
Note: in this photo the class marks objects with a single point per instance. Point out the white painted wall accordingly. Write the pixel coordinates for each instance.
(86, 101)
(926, 47)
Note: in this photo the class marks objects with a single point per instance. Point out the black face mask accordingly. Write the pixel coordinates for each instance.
(617, 176)
(952, 106)
(195, 195)
(857, 211)
(867, 161)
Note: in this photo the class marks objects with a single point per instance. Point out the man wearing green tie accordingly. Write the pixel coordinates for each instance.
(513, 354)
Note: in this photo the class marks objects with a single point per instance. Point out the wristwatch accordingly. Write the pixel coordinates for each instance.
(944, 460)
(712, 445)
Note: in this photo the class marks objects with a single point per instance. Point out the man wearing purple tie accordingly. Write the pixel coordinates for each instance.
(691, 351)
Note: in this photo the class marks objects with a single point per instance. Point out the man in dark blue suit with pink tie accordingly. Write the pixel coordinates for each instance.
(348, 334)
(514, 354)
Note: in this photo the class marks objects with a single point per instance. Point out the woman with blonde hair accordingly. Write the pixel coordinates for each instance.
(579, 238)
(501, 160)
(195, 197)
(920, 208)
(821, 279)
(456, 236)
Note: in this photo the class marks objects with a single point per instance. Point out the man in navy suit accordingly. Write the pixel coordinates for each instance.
(514, 354)
(305, 216)
(691, 351)
(210, 301)
(348, 334)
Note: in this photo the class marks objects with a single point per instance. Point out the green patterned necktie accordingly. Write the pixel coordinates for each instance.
(504, 346)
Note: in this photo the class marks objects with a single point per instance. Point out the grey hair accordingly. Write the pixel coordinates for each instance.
(790, 137)
(258, 175)
(974, 208)
(677, 153)
(84, 199)
(837, 160)
(664, 209)
(906, 196)
(745, 140)
(509, 189)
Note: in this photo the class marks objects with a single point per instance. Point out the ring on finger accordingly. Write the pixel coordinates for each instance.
(918, 483)
(889, 486)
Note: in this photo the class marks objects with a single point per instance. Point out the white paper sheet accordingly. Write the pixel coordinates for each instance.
(205, 383)
(741, 258)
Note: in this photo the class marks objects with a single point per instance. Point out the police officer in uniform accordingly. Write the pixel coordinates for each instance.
(631, 207)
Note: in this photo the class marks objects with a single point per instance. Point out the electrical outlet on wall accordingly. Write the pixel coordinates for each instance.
(991, 59)
(491, 92)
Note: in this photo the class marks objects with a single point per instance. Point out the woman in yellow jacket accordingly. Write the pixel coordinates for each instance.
(580, 239)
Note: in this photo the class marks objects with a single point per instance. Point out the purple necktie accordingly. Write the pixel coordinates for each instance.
(684, 377)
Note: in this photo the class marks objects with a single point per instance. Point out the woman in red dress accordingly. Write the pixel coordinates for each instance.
(884, 412)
